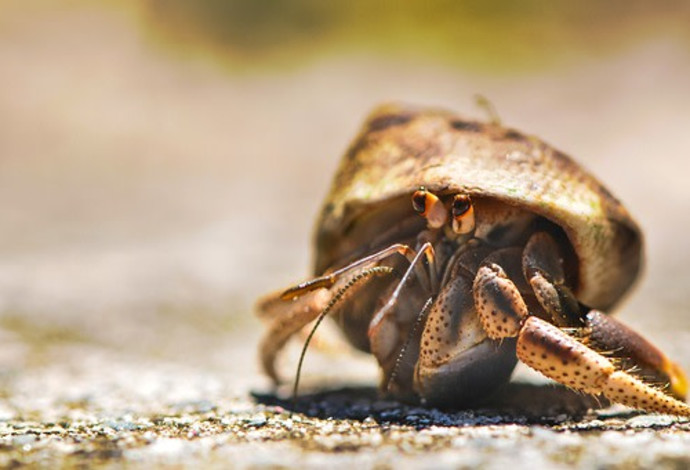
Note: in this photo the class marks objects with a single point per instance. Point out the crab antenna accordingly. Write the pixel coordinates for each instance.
(488, 107)
(336, 298)
(420, 317)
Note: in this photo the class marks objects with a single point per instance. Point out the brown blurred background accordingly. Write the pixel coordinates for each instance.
(161, 162)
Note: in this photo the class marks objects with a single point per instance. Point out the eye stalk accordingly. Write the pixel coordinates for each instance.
(463, 214)
(429, 206)
(419, 201)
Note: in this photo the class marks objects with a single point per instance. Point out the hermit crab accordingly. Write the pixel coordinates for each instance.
(451, 248)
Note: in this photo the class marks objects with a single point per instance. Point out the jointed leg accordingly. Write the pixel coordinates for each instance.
(542, 266)
(559, 356)
(290, 311)
(384, 337)
(632, 351)
(288, 319)
(458, 363)
(499, 305)
(329, 279)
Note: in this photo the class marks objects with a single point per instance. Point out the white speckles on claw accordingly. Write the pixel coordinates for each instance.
(560, 357)
(498, 302)
(628, 390)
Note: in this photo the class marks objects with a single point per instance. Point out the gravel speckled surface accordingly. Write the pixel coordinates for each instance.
(137, 424)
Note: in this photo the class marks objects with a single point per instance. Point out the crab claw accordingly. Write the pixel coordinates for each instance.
(458, 363)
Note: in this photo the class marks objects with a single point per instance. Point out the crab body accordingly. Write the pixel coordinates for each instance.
(516, 253)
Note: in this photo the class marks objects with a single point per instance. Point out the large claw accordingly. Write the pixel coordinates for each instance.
(561, 357)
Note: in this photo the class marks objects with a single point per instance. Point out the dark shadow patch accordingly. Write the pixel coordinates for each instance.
(512, 134)
(467, 126)
(385, 121)
(515, 403)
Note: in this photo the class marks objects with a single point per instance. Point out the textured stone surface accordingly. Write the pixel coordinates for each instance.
(112, 412)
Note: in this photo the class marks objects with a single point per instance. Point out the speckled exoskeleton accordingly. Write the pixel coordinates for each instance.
(450, 248)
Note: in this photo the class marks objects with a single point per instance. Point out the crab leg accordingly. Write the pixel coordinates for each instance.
(291, 317)
(288, 319)
(454, 340)
(559, 356)
(290, 311)
(383, 328)
(329, 279)
(542, 266)
(605, 333)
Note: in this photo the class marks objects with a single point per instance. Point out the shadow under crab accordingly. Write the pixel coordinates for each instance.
(515, 403)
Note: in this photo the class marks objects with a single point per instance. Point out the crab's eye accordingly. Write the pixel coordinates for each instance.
(429, 206)
(463, 214)
(419, 201)
(461, 204)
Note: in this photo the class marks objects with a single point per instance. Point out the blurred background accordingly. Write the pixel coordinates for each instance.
(161, 162)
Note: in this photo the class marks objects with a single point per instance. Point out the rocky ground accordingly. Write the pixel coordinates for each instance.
(147, 201)
(139, 415)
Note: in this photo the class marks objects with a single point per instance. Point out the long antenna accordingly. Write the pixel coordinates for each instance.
(420, 316)
(336, 298)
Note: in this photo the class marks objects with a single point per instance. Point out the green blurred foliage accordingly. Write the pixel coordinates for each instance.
(485, 34)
